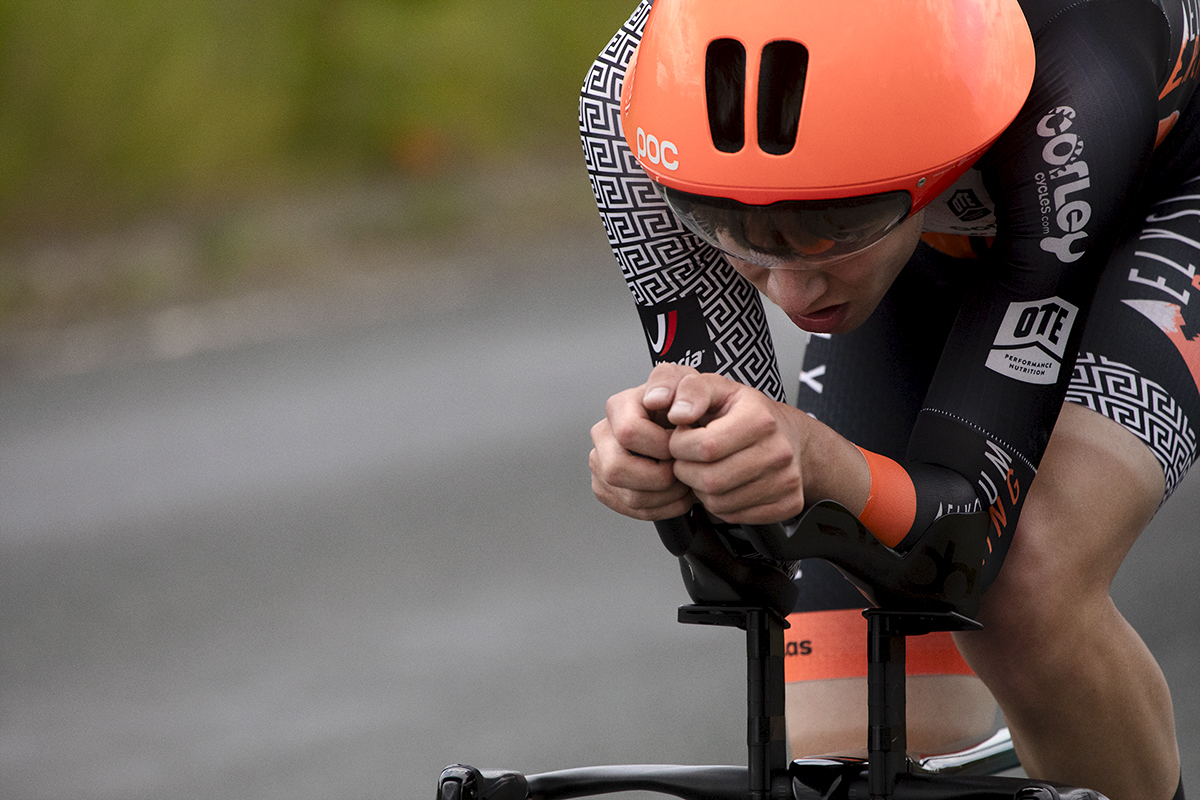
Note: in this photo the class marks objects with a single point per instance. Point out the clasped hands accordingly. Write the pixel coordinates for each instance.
(685, 436)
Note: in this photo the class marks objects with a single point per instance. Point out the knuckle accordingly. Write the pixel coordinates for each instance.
(598, 431)
(604, 494)
(721, 507)
(617, 404)
(713, 485)
(614, 474)
(614, 403)
(625, 432)
(642, 501)
(605, 470)
(641, 506)
(781, 458)
(638, 474)
(763, 422)
(662, 480)
(707, 448)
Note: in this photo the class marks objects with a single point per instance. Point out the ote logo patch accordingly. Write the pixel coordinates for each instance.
(967, 206)
(1032, 338)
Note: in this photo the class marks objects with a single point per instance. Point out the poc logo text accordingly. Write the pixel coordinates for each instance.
(657, 152)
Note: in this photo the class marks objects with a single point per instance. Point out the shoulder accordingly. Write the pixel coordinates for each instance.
(1160, 32)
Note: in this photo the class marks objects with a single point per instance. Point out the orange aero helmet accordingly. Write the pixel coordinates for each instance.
(807, 129)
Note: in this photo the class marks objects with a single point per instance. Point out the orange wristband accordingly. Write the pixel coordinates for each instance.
(891, 505)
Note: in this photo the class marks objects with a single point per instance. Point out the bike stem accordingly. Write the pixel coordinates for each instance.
(887, 734)
(766, 732)
(887, 738)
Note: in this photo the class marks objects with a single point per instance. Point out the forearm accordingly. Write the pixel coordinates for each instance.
(834, 469)
(895, 501)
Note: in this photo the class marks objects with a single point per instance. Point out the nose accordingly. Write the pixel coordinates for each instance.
(797, 290)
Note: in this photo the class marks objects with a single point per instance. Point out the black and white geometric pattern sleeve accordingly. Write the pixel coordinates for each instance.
(694, 307)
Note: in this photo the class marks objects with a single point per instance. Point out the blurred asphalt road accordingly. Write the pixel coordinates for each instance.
(328, 562)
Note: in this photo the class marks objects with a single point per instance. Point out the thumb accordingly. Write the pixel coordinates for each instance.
(701, 398)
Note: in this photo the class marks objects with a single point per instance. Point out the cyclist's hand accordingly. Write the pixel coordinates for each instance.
(631, 458)
(740, 451)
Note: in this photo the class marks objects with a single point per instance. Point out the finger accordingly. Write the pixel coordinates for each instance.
(738, 426)
(755, 483)
(634, 429)
(752, 513)
(743, 483)
(747, 495)
(671, 502)
(659, 390)
(754, 464)
(700, 397)
(664, 505)
(615, 466)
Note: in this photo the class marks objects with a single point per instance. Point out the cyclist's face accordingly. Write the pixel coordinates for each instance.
(837, 297)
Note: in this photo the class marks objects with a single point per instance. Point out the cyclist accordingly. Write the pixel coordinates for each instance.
(977, 209)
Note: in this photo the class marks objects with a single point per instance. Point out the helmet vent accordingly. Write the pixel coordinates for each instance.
(780, 95)
(725, 88)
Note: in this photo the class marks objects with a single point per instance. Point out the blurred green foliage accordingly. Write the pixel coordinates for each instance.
(110, 108)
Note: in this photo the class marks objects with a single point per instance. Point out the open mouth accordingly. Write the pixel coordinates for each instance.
(826, 320)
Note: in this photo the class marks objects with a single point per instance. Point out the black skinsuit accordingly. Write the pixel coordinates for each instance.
(1086, 227)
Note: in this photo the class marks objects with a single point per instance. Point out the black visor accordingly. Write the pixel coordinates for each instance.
(796, 232)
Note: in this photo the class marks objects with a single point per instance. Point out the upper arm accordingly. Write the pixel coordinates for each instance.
(1062, 178)
(695, 309)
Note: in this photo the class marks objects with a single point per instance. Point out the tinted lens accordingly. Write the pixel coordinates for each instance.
(793, 231)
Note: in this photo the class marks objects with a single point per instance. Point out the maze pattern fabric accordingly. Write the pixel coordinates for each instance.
(660, 259)
(1141, 406)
